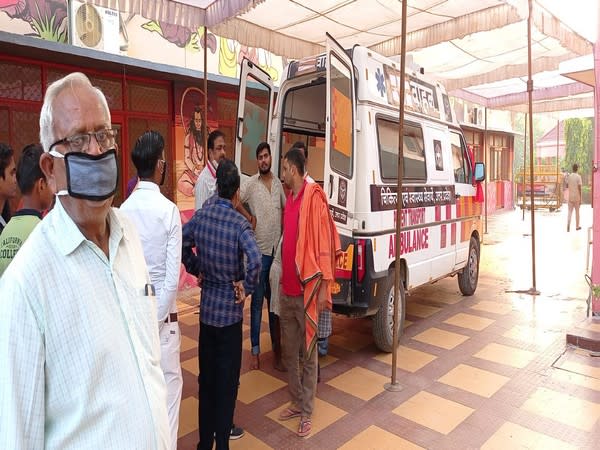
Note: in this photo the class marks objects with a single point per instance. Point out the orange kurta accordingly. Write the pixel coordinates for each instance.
(316, 248)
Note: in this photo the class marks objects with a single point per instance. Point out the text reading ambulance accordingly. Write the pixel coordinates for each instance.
(344, 106)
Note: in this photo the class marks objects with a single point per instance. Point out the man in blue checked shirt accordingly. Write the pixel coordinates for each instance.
(221, 237)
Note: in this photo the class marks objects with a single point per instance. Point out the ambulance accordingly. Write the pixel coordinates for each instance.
(344, 105)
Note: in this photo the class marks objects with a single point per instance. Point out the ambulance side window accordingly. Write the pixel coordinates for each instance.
(460, 159)
(414, 151)
(341, 144)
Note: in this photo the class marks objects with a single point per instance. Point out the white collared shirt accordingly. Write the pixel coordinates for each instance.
(158, 223)
(79, 346)
(206, 185)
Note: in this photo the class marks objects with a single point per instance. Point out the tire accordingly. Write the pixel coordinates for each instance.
(468, 278)
(383, 320)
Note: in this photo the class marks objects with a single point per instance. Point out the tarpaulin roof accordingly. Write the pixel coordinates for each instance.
(473, 47)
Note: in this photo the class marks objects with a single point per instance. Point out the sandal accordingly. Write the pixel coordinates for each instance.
(305, 427)
(289, 413)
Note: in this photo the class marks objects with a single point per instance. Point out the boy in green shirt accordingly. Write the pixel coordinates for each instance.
(37, 197)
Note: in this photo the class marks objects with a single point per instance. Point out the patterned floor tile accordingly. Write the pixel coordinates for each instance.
(248, 442)
(408, 359)
(359, 382)
(191, 365)
(188, 416)
(349, 340)
(187, 344)
(434, 412)
(441, 338)
(576, 378)
(419, 310)
(563, 408)
(326, 360)
(472, 379)
(492, 307)
(504, 354)
(255, 384)
(377, 438)
(189, 319)
(533, 335)
(469, 321)
(324, 414)
(511, 435)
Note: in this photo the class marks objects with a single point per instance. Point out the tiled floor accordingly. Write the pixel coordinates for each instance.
(489, 371)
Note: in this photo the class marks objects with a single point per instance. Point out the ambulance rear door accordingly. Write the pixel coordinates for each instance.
(255, 110)
(339, 181)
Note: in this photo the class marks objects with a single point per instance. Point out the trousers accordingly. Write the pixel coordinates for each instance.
(220, 354)
(170, 342)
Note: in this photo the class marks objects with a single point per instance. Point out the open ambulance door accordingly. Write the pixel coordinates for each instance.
(339, 181)
(255, 109)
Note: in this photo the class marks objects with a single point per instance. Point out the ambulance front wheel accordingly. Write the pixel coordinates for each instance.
(383, 322)
(468, 278)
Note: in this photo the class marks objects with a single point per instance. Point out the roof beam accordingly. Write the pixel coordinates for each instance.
(459, 27)
(556, 105)
(549, 93)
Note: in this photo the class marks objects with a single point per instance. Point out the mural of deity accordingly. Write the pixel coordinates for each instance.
(193, 154)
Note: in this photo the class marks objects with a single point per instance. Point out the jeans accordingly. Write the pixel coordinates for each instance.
(220, 355)
(263, 289)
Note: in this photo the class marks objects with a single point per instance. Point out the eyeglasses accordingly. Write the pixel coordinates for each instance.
(81, 142)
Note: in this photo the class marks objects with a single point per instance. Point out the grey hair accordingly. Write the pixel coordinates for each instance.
(47, 137)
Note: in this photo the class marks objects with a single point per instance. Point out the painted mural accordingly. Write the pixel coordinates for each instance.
(46, 19)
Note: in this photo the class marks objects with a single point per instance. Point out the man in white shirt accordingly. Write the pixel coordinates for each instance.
(159, 225)
(206, 184)
(574, 184)
(79, 348)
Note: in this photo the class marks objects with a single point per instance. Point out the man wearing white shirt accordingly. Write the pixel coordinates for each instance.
(206, 185)
(159, 225)
(79, 347)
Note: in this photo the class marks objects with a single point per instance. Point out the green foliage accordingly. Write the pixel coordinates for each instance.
(579, 145)
(519, 127)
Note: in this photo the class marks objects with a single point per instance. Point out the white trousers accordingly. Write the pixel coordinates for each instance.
(170, 341)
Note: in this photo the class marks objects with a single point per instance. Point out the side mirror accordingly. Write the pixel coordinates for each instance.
(479, 171)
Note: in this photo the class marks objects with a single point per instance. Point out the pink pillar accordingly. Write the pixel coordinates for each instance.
(596, 174)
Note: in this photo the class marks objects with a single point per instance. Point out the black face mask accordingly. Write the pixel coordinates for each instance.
(91, 177)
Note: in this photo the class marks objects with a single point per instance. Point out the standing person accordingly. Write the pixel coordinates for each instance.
(159, 226)
(325, 325)
(263, 193)
(8, 183)
(222, 238)
(79, 343)
(37, 197)
(309, 248)
(205, 185)
(574, 183)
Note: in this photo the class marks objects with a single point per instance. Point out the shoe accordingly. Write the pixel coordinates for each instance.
(323, 346)
(578, 228)
(236, 433)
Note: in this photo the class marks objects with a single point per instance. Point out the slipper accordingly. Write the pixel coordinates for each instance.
(289, 413)
(305, 427)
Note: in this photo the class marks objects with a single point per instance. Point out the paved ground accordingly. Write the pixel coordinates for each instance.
(487, 371)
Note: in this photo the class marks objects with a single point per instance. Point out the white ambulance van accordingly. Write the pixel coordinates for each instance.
(344, 106)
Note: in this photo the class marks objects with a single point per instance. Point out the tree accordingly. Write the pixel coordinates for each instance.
(519, 127)
(579, 145)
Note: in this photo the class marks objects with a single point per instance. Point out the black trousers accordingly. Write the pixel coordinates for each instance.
(220, 355)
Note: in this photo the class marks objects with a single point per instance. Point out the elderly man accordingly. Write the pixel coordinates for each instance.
(79, 345)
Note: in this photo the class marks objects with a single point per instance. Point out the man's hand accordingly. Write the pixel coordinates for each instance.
(253, 222)
(240, 292)
(199, 279)
(322, 302)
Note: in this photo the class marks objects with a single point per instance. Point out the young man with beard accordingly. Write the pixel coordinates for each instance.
(159, 226)
(263, 193)
(308, 253)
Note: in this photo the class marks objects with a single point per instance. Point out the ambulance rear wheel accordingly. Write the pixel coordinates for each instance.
(383, 322)
(468, 278)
